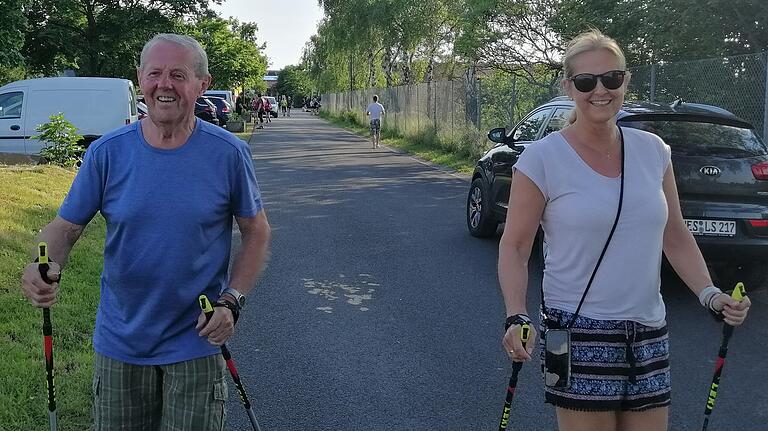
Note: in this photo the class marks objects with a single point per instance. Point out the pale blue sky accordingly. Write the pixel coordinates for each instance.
(285, 25)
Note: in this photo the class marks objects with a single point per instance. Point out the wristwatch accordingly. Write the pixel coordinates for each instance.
(239, 297)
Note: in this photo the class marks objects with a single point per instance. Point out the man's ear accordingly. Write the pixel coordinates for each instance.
(205, 84)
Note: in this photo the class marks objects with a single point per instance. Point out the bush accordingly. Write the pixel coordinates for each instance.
(62, 142)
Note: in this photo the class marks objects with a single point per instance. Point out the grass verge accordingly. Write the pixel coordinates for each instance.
(31, 196)
(424, 145)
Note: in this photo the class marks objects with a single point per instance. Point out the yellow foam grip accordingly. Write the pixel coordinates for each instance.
(738, 291)
(205, 304)
(42, 252)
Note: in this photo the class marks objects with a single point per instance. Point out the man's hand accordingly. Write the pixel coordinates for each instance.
(219, 328)
(38, 292)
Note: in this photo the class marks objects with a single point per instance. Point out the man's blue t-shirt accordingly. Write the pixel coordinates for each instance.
(169, 227)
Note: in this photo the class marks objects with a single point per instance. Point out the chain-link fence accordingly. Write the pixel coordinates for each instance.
(473, 105)
(738, 84)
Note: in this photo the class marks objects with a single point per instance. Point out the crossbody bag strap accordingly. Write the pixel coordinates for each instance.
(605, 247)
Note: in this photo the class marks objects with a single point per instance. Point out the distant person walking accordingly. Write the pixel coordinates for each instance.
(289, 103)
(284, 104)
(375, 110)
(260, 107)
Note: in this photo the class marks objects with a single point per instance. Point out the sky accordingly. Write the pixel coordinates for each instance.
(284, 25)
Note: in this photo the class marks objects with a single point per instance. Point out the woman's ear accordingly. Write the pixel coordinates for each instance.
(568, 88)
(627, 77)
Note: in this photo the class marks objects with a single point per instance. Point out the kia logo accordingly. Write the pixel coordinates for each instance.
(711, 171)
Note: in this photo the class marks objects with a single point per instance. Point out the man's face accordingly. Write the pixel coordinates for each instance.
(169, 84)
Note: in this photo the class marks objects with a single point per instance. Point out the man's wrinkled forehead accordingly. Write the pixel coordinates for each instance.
(169, 56)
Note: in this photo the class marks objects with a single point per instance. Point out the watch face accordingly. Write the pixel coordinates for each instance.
(241, 300)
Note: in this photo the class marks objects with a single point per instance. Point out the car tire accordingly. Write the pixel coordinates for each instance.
(480, 221)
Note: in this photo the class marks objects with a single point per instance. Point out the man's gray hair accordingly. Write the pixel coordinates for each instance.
(201, 58)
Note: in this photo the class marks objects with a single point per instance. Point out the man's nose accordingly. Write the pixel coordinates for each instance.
(164, 81)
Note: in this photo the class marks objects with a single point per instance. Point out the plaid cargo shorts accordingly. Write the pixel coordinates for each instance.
(189, 395)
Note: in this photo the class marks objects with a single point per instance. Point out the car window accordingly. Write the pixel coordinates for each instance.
(704, 139)
(558, 121)
(10, 104)
(529, 128)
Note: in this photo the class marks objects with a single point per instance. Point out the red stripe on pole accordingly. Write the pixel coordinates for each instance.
(232, 369)
(719, 364)
(511, 390)
(48, 342)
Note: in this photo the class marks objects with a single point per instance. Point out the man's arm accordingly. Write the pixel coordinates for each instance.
(251, 258)
(61, 236)
(249, 263)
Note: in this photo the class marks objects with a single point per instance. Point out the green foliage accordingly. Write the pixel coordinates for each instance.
(373, 43)
(11, 34)
(62, 142)
(294, 81)
(234, 58)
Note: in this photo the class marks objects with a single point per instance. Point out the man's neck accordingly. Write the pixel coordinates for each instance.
(167, 136)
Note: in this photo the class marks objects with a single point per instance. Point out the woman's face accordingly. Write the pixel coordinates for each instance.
(600, 104)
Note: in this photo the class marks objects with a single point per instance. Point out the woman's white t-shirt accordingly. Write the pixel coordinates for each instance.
(580, 209)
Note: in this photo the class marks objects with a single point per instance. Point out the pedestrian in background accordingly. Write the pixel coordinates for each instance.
(571, 183)
(375, 110)
(169, 187)
(259, 106)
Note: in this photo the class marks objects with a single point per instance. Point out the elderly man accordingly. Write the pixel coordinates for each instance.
(168, 188)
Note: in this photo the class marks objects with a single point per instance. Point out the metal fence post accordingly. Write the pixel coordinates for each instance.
(765, 99)
(653, 83)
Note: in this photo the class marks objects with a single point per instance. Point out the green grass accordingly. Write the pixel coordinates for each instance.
(424, 145)
(31, 196)
(246, 133)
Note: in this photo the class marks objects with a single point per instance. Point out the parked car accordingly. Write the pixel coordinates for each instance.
(94, 105)
(273, 108)
(142, 110)
(721, 170)
(206, 110)
(224, 94)
(223, 109)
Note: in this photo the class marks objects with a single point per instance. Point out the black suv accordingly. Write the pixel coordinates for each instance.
(206, 110)
(721, 170)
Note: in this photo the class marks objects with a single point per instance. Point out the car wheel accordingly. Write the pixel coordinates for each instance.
(753, 275)
(480, 221)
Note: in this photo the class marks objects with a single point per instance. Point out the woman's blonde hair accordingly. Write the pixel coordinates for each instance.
(591, 40)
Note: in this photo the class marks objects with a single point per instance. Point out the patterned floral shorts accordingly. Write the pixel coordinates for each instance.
(615, 365)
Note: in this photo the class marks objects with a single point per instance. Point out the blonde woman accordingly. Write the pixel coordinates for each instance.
(598, 190)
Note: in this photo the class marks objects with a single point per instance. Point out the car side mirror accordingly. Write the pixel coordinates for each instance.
(499, 135)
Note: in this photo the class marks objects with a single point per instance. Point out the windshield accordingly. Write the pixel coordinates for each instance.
(704, 139)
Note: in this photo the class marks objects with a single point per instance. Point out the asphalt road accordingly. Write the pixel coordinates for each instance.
(378, 311)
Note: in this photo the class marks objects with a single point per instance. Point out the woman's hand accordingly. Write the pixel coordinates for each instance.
(513, 345)
(734, 312)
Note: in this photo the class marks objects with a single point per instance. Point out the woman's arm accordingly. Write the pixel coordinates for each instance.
(679, 245)
(526, 205)
(685, 257)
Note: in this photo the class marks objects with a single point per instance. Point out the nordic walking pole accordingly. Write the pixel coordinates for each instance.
(525, 331)
(738, 294)
(42, 266)
(208, 310)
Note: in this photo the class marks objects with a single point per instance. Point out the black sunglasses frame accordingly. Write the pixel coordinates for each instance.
(612, 80)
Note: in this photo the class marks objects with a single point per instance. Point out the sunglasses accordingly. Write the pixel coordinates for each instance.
(611, 80)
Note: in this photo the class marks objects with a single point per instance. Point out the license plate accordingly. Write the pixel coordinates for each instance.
(711, 227)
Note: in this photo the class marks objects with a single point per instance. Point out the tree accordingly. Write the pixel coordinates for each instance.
(98, 37)
(234, 58)
(12, 40)
(294, 81)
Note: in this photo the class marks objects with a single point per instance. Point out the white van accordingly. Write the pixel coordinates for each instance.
(94, 105)
(224, 94)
